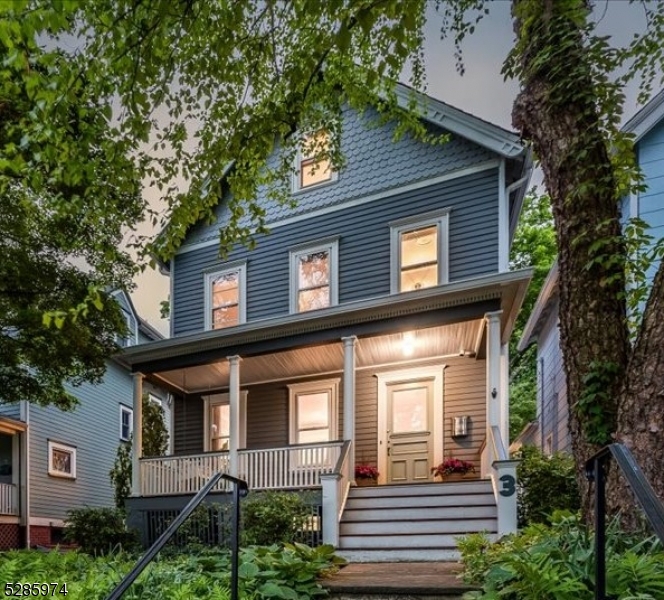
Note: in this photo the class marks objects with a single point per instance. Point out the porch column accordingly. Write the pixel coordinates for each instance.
(494, 388)
(137, 444)
(349, 399)
(234, 413)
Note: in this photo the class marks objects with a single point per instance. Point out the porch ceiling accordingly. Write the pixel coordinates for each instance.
(443, 341)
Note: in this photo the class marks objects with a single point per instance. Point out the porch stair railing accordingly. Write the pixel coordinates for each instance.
(239, 489)
(645, 496)
(503, 478)
(8, 499)
(335, 493)
(290, 467)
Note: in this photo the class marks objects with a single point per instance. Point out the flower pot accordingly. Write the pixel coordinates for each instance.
(364, 482)
(455, 477)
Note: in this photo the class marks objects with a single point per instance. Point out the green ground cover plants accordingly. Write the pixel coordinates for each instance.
(556, 562)
(289, 572)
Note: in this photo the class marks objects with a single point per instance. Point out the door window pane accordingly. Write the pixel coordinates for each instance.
(410, 410)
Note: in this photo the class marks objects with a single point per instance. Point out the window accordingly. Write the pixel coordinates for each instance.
(313, 411)
(314, 276)
(313, 170)
(126, 422)
(419, 251)
(130, 338)
(225, 297)
(61, 460)
(217, 422)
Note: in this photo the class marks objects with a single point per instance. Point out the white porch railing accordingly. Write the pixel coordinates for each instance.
(8, 499)
(291, 467)
(335, 492)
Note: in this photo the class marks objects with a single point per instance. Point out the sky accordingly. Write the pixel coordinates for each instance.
(481, 91)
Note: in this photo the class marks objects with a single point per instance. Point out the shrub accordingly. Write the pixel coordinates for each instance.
(99, 530)
(546, 484)
(273, 518)
(556, 562)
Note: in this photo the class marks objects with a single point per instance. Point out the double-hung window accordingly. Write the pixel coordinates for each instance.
(313, 166)
(314, 276)
(313, 411)
(225, 297)
(217, 422)
(126, 422)
(61, 460)
(419, 251)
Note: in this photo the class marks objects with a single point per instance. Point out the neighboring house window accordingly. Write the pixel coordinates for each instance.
(419, 251)
(314, 276)
(312, 171)
(313, 411)
(130, 338)
(225, 300)
(126, 422)
(217, 422)
(61, 460)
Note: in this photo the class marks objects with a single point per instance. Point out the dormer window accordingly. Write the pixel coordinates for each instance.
(312, 169)
(314, 276)
(225, 302)
(419, 251)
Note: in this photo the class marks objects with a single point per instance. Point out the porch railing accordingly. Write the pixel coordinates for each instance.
(8, 499)
(503, 479)
(289, 467)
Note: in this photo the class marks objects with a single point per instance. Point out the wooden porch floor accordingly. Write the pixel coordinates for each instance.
(437, 579)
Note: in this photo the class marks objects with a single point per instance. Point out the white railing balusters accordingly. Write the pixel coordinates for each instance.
(8, 499)
(291, 467)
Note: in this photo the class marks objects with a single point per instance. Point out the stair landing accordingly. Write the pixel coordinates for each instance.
(419, 580)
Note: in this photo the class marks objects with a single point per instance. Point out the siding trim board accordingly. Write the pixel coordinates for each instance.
(383, 195)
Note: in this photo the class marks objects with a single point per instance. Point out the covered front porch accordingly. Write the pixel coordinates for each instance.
(296, 403)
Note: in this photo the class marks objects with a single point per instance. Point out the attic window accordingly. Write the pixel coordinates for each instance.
(312, 169)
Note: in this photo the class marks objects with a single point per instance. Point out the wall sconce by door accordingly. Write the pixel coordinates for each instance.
(460, 426)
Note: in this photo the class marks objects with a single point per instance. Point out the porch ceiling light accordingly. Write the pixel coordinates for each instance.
(408, 343)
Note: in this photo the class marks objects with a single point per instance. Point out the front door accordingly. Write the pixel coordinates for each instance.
(409, 430)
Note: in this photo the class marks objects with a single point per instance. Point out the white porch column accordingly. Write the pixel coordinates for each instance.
(349, 399)
(137, 443)
(494, 388)
(505, 393)
(234, 413)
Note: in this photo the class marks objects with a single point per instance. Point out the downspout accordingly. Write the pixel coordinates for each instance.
(25, 470)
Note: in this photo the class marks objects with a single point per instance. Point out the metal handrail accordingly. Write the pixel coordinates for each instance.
(240, 489)
(645, 496)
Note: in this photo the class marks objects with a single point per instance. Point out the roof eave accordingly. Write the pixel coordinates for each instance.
(546, 295)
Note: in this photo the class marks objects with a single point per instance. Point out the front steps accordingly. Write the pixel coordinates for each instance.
(401, 523)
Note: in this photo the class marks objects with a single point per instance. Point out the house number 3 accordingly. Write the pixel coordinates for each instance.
(509, 486)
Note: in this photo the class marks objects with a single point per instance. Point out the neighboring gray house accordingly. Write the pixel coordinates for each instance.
(52, 461)
(550, 430)
(370, 326)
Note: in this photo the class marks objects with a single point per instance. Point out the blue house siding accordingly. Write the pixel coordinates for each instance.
(374, 163)
(12, 411)
(93, 428)
(364, 249)
(651, 202)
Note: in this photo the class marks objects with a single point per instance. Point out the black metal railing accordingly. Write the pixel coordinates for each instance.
(240, 489)
(645, 496)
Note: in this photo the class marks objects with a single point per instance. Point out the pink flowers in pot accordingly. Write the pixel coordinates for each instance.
(366, 472)
(452, 465)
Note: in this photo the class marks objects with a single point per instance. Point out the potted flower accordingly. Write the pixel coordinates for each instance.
(453, 468)
(366, 475)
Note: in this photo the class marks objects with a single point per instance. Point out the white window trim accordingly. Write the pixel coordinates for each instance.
(297, 168)
(241, 268)
(130, 411)
(331, 245)
(214, 399)
(156, 399)
(439, 218)
(313, 387)
(63, 448)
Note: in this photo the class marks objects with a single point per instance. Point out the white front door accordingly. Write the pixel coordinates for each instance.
(409, 431)
(410, 424)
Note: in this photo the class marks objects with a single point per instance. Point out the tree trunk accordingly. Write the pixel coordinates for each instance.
(556, 111)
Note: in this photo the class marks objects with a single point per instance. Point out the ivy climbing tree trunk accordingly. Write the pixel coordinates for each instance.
(556, 111)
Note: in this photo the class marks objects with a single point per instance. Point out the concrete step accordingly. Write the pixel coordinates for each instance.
(424, 489)
(399, 555)
(417, 501)
(414, 528)
(415, 514)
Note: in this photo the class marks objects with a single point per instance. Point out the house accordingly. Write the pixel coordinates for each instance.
(370, 326)
(550, 430)
(52, 461)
